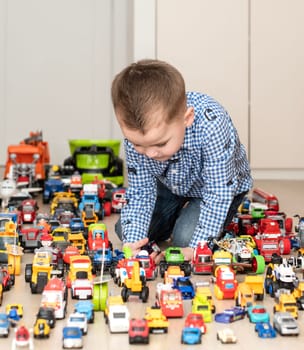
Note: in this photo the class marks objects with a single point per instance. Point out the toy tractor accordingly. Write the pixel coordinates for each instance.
(135, 285)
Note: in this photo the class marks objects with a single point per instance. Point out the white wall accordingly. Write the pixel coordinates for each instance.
(57, 61)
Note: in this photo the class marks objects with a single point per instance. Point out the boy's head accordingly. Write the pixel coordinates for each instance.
(149, 100)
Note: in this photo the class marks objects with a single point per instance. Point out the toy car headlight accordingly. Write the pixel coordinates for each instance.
(36, 156)
(13, 156)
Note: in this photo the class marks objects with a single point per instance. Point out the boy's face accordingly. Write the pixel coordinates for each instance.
(162, 140)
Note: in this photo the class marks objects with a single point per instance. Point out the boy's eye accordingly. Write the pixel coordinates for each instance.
(161, 144)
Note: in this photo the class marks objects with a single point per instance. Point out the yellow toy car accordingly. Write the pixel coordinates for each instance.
(41, 328)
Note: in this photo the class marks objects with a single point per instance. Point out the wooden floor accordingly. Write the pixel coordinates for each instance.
(291, 198)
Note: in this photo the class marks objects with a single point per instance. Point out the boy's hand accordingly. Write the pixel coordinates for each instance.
(135, 247)
(188, 253)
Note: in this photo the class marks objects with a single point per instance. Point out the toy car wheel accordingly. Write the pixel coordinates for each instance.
(285, 246)
(187, 269)
(258, 264)
(28, 272)
(125, 294)
(145, 294)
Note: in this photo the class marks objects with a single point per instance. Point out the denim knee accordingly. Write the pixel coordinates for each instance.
(186, 223)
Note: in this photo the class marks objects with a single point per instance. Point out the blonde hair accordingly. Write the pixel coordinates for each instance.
(144, 86)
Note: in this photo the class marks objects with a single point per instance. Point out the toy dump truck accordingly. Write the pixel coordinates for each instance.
(96, 159)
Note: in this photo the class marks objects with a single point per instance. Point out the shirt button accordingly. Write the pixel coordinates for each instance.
(173, 171)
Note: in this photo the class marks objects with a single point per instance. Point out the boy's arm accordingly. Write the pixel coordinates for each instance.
(141, 196)
(225, 173)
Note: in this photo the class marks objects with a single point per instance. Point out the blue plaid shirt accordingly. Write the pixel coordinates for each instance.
(211, 165)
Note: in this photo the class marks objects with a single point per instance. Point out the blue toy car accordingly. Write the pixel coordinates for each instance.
(85, 307)
(257, 313)
(50, 187)
(230, 315)
(4, 325)
(265, 330)
(191, 335)
(185, 286)
(76, 225)
(72, 338)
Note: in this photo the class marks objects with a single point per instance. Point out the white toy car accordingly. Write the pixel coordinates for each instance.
(79, 320)
(226, 335)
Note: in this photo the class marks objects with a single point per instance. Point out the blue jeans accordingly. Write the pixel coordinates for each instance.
(177, 216)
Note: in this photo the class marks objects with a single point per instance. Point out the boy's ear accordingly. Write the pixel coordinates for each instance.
(189, 117)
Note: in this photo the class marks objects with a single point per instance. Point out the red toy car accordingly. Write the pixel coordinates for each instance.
(138, 331)
(196, 320)
(148, 264)
(6, 279)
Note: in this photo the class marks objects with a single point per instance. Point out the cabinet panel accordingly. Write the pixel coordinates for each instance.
(207, 40)
(277, 84)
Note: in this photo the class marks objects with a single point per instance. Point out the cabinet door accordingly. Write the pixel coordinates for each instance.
(207, 40)
(277, 84)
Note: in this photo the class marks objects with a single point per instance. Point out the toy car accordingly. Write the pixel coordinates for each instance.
(6, 279)
(257, 313)
(17, 307)
(196, 320)
(191, 335)
(185, 286)
(72, 338)
(77, 319)
(23, 338)
(139, 331)
(4, 325)
(265, 330)
(48, 314)
(41, 328)
(118, 318)
(85, 307)
(174, 256)
(285, 324)
(230, 315)
(226, 335)
(225, 283)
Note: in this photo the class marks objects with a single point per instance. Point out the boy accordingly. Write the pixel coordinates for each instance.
(187, 170)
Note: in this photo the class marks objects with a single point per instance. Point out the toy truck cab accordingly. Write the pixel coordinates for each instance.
(286, 302)
(225, 282)
(244, 295)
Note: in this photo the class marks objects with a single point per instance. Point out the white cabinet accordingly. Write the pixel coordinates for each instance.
(250, 56)
(277, 84)
(207, 40)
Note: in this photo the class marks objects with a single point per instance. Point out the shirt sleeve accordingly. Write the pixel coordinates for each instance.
(219, 175)
(141, 197)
